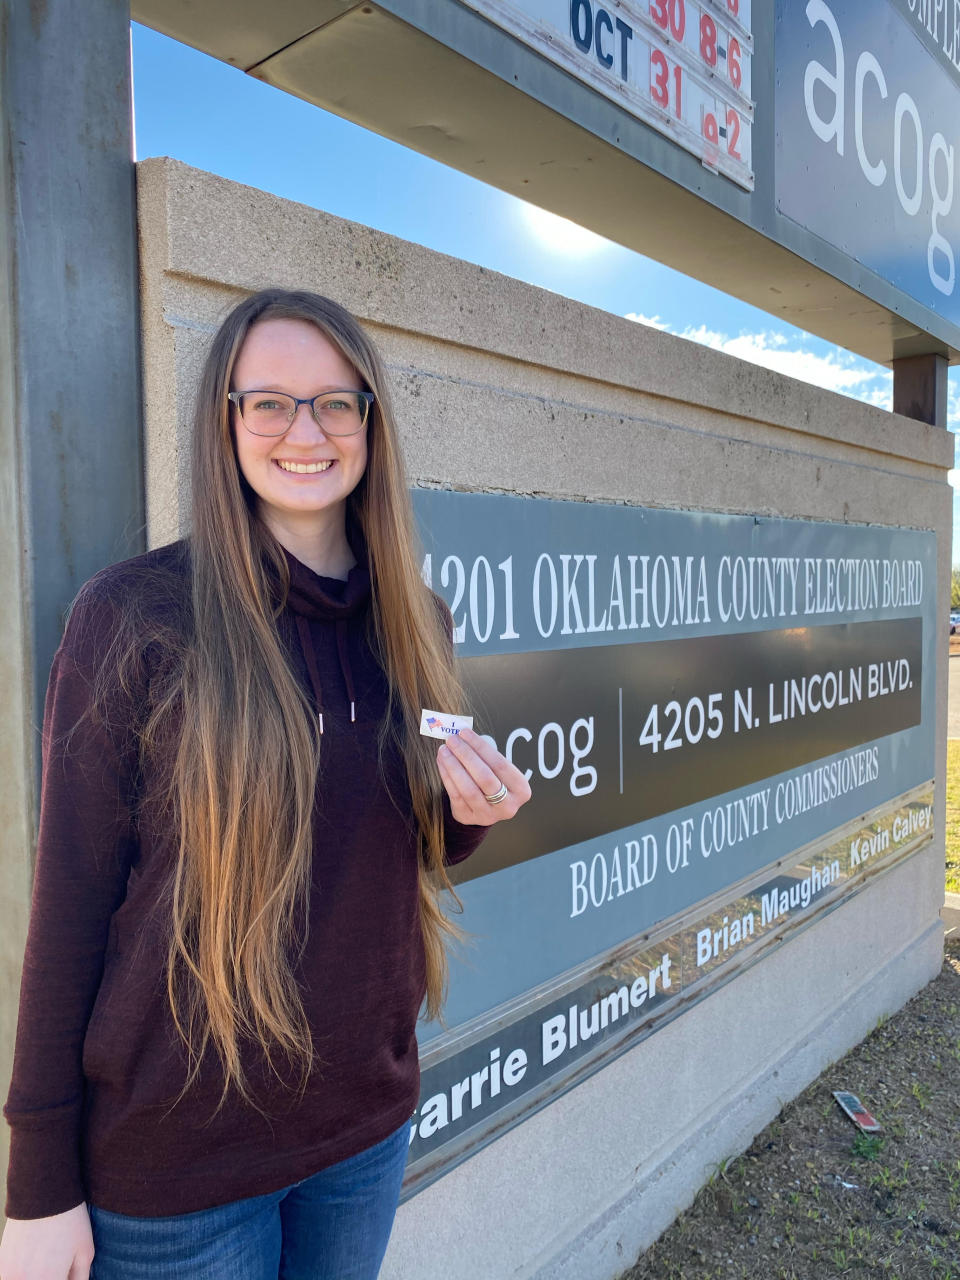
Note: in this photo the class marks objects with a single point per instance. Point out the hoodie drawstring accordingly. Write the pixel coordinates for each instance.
(306, 644)
(345, 666)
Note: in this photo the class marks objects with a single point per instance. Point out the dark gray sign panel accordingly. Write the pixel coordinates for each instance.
(868, 129)
(619, 741)
(705, 706)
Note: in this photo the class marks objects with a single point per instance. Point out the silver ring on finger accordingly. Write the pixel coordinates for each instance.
(498, 796)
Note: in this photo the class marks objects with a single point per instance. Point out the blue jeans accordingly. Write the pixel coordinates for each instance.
(333, 1226)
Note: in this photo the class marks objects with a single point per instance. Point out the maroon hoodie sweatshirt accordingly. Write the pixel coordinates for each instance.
(93, 1104)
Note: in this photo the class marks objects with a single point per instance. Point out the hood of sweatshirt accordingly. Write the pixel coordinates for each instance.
(328, 599)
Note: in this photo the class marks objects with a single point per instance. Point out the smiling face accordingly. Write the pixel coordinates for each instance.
(303, 478)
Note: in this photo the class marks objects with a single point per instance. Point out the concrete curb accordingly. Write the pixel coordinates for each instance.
(950, 914)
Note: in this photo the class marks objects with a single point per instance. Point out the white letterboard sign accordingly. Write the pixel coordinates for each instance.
(680, 66)
(868, 128)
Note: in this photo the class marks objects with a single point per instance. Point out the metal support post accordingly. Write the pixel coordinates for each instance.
(920, 388)
(71, 489)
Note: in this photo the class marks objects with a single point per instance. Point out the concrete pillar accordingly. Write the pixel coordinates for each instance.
(70, 450)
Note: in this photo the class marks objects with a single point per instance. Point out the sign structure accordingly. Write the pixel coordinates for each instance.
(726, 723)
(868, 129)
(680, 66)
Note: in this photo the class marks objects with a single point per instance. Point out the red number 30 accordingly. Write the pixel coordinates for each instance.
(670, 13)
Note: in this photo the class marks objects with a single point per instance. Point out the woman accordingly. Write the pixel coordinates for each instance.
(243, 839)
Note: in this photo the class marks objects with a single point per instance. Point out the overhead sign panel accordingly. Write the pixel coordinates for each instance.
(868, 130)
(680, 66)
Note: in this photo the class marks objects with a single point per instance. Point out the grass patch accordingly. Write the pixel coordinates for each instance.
(953, 816)
(867, 1145)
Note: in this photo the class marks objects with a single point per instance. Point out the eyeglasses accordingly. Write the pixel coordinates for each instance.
(271, 413)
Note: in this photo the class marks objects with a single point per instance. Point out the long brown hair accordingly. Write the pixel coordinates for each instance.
(244, 775)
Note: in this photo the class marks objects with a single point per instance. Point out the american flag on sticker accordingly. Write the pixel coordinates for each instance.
(438, 724)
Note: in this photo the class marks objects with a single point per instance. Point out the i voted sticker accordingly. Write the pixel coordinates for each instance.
(439, 724)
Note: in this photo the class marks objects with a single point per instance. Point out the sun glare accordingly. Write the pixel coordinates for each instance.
(559, 235)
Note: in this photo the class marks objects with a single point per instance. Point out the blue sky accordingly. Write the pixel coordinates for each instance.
(228, 123)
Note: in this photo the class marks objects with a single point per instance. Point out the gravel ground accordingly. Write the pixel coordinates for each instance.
(814, 1199)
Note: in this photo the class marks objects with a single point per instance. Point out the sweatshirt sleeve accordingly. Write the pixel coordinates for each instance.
(84, 851)
(460, 839)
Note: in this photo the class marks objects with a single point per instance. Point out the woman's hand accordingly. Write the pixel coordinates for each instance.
(55, 1248)
(472, 771)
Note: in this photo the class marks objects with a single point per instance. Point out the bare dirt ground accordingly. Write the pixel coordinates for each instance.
(814, 1199)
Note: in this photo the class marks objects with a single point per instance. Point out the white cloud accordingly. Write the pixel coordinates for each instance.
(832, 369)
(653, 321)
(953, 404)
(881, 397)
(771, 349)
